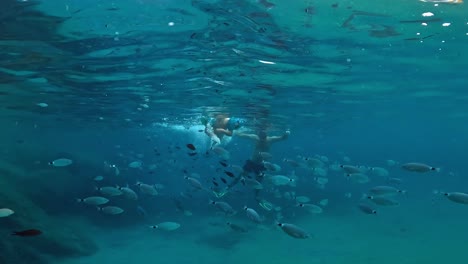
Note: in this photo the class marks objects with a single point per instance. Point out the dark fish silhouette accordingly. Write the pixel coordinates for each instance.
(230, 174)
(191, 146)
(27, 233)
(237, 228)
(224, 164)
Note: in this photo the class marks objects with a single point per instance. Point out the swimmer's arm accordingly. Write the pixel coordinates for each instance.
(274, 139)
(249, 136)
(224, 131)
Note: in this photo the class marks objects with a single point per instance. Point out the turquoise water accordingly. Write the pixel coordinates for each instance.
(108, 84)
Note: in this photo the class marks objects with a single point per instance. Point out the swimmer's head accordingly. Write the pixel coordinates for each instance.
(235, 123)
(262, 135)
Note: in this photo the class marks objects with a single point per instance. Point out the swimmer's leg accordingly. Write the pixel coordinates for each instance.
(214, 138)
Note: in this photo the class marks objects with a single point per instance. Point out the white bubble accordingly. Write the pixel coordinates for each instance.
(427, 14)
(446, 24)
(170, 24)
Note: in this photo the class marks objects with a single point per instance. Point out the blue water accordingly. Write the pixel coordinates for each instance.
(105, 84)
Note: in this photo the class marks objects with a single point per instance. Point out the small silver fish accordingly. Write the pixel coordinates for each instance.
(302, 199)
(311, 208)
(98, 178)
(166, 226)
(271, 166)
(418, 167)
(194, 183)
(224, 207)
(379, 171)
(236, 169)
(111, 210)
(292, 163)
(61, 162)
(252, 183)
(358, 177)
(457, 197)
(221, 152)
(147, 189)
(109, 191)
(253, 215)
(93, 200)
(128, 193)
(396, 181)
(265, 155)
(313, 163)
(5, 212)
(281, 180)
(385, 190)
(42, 104)
(384, 201)
(349, 169)
(294, 231)
(135, 164)
(366, 208)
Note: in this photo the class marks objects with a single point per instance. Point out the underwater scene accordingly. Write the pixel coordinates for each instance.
(233, 131)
